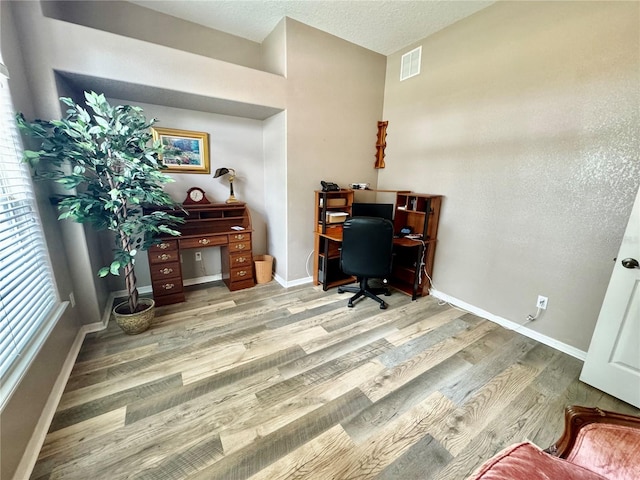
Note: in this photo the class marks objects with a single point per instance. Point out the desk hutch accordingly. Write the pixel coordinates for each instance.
(413, 256)
(208, 225)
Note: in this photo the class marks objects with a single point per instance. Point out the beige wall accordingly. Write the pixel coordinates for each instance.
(334, 101)
(333, 86)
(49, 45)
(52, 45)
(274, 50)
(130, 20)
(525, 117)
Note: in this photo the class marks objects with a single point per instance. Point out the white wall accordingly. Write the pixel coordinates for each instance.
(234, 142)
(275, 191)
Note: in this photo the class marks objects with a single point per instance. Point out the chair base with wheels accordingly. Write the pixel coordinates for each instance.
(364, 290)
(366, 254)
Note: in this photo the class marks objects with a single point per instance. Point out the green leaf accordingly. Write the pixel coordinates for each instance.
(31, 155)
(102, 122)
(114, 269)
(106, 161)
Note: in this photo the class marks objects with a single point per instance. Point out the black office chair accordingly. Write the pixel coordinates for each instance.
(367, 244)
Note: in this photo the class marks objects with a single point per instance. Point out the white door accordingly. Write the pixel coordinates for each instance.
(613, 359)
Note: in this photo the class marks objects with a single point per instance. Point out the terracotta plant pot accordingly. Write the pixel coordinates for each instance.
(134, 323)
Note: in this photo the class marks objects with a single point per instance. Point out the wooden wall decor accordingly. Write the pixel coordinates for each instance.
(381, 144)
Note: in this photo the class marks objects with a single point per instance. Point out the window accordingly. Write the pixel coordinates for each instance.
(28, 297)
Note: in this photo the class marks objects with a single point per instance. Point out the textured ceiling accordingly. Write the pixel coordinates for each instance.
(384, 26)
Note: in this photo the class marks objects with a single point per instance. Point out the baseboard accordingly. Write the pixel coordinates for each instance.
(280, 280)
(197, 281)
(293, 283)
(527, 332)
(125, 294)
(186, 282)
(106, 315)
(34, 446)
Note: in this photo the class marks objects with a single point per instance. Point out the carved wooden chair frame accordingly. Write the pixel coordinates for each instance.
(576, 417)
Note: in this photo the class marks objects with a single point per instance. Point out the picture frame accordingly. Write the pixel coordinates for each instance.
(191, 150)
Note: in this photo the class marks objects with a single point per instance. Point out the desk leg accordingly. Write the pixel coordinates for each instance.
(316, 261)
(418, 272)
(325, 272)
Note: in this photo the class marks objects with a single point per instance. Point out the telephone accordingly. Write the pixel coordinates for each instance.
(329, 186)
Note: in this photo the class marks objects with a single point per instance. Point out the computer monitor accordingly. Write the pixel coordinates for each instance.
(380, 210)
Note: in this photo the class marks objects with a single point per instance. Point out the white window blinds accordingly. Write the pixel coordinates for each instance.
(27, 291)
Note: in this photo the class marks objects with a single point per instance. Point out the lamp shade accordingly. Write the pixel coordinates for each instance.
(232, 175)
(220, 172)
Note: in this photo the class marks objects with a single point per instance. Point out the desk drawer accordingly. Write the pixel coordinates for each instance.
(239, 274)
(165, 246)
(167, 286)
(204, 241)
(165, 270)
(240, 260)
(243, 246)
(241, 284)
(240, 236)
(168, 299)
(163, 257)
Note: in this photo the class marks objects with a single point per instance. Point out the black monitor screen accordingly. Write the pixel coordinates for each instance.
(381, 210)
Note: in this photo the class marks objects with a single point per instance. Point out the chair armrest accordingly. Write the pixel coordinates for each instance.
(576, 417)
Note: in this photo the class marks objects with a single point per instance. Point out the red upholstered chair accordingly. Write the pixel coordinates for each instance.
(595, 445)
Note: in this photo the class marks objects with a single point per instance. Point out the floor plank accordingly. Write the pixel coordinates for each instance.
(274, 383)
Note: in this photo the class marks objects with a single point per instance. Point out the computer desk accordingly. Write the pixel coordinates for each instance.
(411, 249)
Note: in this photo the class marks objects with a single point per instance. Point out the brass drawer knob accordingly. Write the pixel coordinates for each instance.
(242, 273)
(166, 271)
(204, 241)
(239, 236)
(168, 286)
(164, 246)
(241, 259)
(240, 246)
(164, 256)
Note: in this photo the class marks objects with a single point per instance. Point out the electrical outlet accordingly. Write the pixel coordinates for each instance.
(542, 302)
(72, 299)
(198, 256)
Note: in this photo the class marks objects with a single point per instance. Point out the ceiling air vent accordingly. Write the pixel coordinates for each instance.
(410, 65)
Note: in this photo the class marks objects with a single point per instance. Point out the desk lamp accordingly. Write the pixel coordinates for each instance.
(232, 175)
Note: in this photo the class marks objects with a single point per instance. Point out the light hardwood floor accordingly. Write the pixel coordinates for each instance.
(272, 383)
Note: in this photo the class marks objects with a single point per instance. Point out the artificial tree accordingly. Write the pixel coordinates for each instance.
(105, 158)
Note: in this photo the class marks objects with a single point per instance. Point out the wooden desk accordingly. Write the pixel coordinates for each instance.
(205, 226)
(407, 274)
(413, 259)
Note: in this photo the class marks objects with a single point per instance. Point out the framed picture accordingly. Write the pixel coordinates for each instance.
(189, 151)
